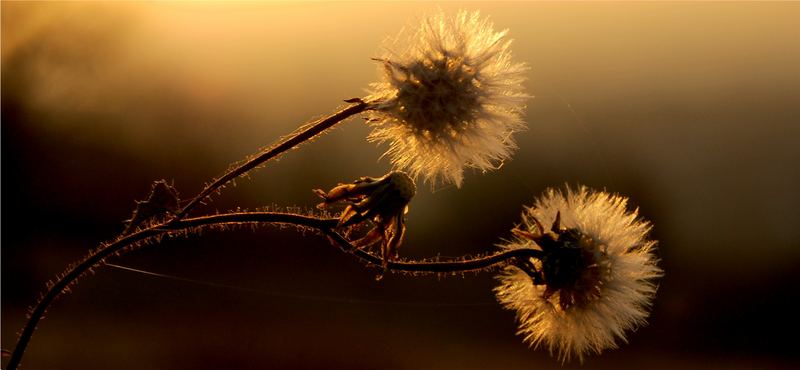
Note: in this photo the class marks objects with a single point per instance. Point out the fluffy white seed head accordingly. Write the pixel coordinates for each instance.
(587, 303)
(450, 98)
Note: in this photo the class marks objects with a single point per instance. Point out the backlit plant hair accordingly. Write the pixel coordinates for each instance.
(595, 277)
(450, 99)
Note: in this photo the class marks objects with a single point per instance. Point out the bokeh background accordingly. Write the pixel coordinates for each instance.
(690, 109)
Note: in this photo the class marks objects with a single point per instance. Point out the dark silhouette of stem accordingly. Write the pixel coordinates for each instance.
(290, 142)
(119, 245)
(459, 265)
(325, 225)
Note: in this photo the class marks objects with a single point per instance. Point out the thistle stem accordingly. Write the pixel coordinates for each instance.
(325, 225)
(306, 133)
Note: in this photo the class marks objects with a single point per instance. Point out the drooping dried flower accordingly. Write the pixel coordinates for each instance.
(595, 279)
(451, 98)
(384, 201)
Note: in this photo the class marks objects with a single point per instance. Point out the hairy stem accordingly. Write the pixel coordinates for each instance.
(307, 133)
(325, 225)
(457, 265)
(93, 259)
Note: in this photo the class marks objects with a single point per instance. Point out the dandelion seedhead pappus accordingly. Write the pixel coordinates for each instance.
(594, 280)
(384, 201)
(450, 98)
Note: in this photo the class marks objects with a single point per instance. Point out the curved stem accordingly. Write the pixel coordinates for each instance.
(119, 245)
(464, 265)
(63, 282)
(325, 225)
(307, 133)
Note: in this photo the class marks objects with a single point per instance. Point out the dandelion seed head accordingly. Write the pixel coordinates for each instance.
(450, 98)
(596, 277)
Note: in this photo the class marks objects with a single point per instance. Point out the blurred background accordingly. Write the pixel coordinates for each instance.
(690, 109)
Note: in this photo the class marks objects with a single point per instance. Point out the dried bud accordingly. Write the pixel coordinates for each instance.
(384, 201)
(163, 199)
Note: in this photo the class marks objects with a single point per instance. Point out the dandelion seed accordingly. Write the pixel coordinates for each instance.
(451, 99)
(595, 280)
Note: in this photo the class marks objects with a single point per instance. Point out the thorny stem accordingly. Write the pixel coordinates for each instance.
(290, 142)
(325, 225)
